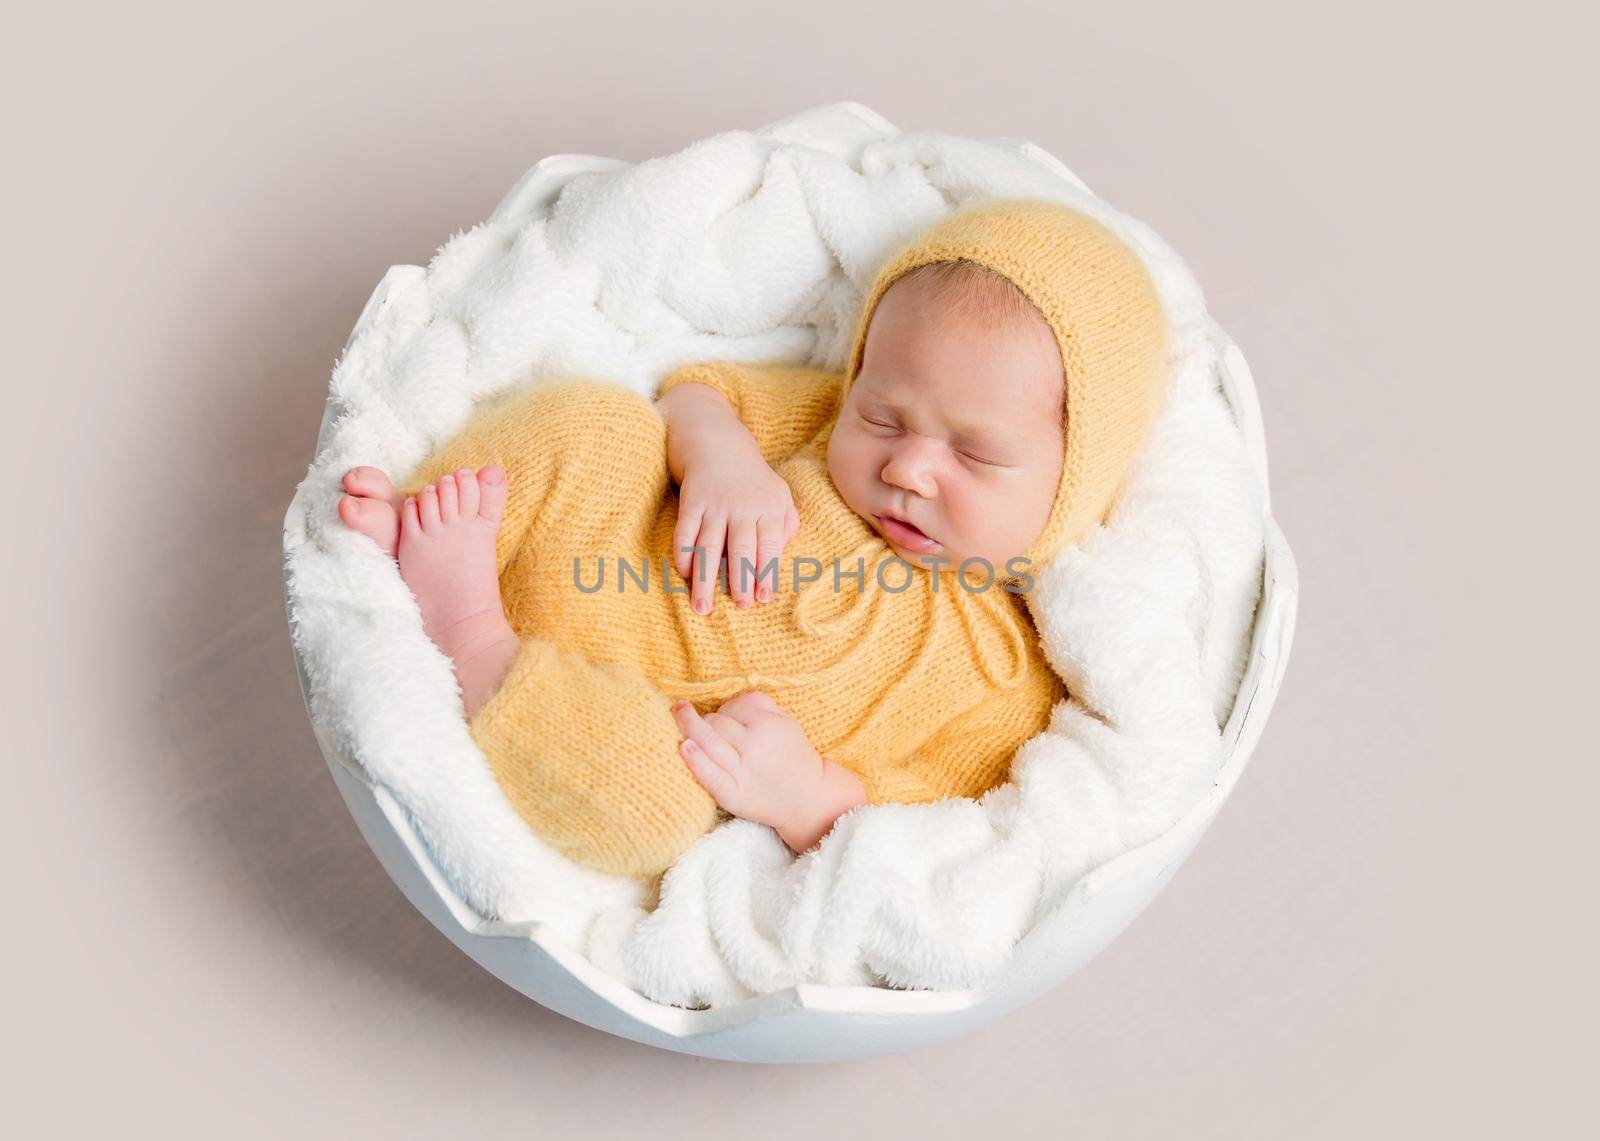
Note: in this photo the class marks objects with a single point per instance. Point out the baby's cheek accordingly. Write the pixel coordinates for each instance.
(848, 466)
(984, 521)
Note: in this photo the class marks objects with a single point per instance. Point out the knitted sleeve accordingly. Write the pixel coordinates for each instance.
(784, 406)
(967, 757)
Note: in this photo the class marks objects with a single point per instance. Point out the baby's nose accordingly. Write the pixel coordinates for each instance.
(911, 466)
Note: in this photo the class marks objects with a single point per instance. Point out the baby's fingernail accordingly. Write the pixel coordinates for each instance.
(765, 594)
(701, 605)
(688, 746)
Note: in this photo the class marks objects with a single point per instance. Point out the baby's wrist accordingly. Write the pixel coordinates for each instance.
(701, 424)
(713, 442)
(838, 791)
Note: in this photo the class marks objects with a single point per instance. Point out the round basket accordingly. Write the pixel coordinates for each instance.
(808, 1022)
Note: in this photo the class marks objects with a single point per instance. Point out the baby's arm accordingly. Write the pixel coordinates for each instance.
(728, 496)
(782, 406)
(700, 422)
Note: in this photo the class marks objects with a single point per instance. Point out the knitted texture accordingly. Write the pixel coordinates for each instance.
(1100, 303)
(923, 694)
(924, 686)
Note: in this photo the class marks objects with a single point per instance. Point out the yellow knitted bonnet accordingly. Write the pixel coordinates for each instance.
(1100, 303)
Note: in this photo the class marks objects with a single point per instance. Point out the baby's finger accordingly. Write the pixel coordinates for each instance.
(727, 726)
(760, 699)
(706, 739)
(703, 582)
(769, 548)
(683, 536)
(766, 699)
(742, 561)
(716, 780)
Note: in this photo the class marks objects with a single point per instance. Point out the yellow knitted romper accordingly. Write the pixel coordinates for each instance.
(922, 693)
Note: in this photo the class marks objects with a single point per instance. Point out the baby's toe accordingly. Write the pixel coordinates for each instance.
(492, 486)
(428, 508)
(467, 491)
(373, 518)
(350, 511)
(368, 481)
(448, 499)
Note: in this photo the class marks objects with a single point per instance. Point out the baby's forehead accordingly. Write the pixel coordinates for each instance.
(990, 355)
(975, 300)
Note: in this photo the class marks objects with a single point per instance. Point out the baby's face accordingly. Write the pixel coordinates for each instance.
(954, 429)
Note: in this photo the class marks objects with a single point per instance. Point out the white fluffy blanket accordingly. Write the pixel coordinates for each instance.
(758, 246)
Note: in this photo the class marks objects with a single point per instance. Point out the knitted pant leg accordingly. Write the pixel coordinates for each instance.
(585, 751)
(587, 754)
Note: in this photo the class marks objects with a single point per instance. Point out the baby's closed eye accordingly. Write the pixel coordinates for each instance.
(986, 457)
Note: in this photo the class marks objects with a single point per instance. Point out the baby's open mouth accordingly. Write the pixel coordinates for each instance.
(906, 534)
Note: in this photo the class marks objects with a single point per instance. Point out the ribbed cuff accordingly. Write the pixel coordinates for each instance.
(712, 375)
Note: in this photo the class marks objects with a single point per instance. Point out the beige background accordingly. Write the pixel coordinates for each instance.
(1392, 211)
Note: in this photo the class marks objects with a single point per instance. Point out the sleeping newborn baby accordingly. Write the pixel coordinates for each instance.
(873, 532)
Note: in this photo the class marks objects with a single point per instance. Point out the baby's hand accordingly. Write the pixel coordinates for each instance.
(732, 499)
(754, 759)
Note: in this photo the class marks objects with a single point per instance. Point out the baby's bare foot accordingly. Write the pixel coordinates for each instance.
(371, 506)
(447, 558)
